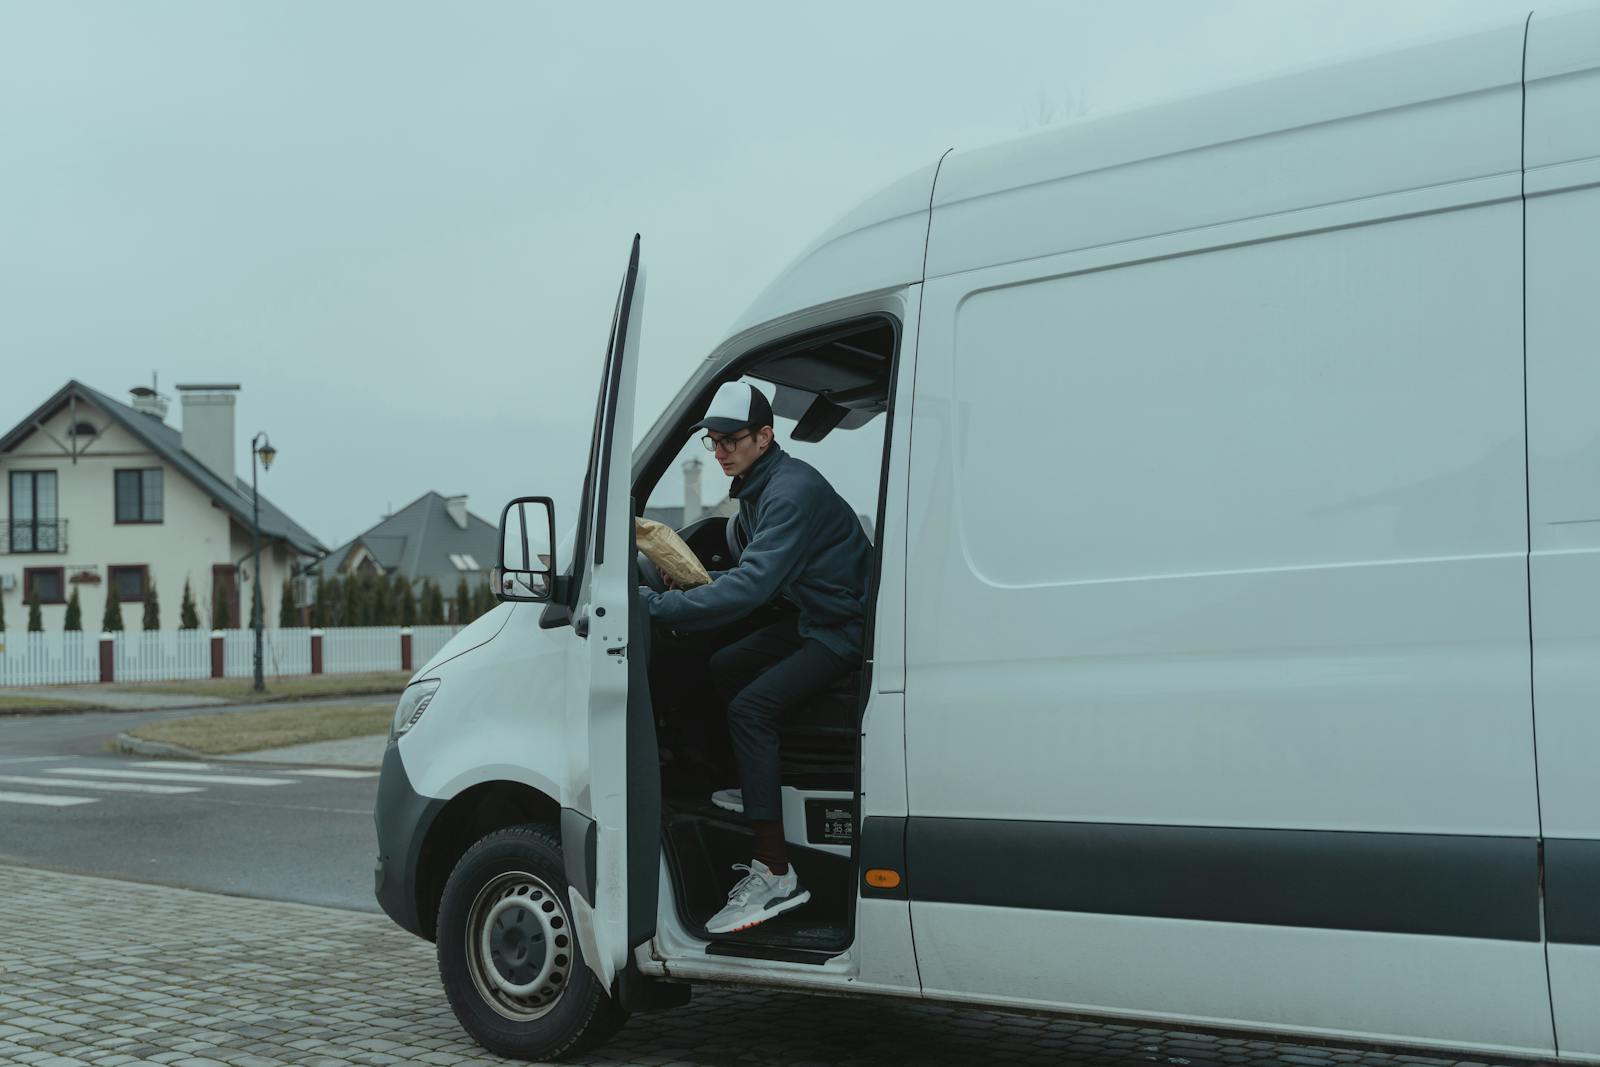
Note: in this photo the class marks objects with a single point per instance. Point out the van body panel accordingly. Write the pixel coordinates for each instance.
(877, 245)
(1274, 647)
(1218, 548)
(479, 631)
(1575, 999)
(482, 712)
(889, 636)
(1563, 250)
(1309, 983)
(1328, 135)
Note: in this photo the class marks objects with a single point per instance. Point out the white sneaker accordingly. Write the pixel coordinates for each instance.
(729, 799)
(757, 897)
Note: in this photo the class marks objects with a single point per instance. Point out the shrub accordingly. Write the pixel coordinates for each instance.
(111, 623)
(188, 617)
(288, 610)
(221, 607)
(152, 608)
(74, 620)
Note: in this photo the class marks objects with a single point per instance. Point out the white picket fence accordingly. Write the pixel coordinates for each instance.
(50, 659)
(153, 655)
(62, 658)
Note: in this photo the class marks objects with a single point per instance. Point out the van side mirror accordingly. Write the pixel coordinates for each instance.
(526, 570)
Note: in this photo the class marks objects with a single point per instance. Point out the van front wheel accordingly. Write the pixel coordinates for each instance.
(508, 956)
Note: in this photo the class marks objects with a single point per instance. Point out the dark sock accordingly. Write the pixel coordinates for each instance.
(770, 847)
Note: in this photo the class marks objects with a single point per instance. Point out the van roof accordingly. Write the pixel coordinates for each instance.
(880, 243)
(1276, 143)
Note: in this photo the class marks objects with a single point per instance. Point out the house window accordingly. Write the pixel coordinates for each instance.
(35, 526)
(49, 582)
(129, 581)
(139, 495)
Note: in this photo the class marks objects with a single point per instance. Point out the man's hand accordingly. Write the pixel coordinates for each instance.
(666, 580)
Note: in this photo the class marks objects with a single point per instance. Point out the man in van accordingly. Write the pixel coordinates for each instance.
(802, 542)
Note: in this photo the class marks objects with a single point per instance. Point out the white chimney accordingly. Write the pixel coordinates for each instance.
(691, 490)
(150, 402)
(208, 427)
(457, 507)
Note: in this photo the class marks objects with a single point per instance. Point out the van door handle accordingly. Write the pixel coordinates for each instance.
(621, 650)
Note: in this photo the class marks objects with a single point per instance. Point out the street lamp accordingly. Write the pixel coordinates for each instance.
(259, 446)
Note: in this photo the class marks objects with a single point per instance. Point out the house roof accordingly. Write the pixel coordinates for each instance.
(418, 541)
(167, 442)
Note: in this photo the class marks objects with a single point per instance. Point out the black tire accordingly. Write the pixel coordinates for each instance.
(531, 996)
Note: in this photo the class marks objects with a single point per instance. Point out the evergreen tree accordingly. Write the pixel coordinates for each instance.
(483, 599)
(74, 620)
(330, 598)
(461, 606)
(288, 610)
(188, 617)
(2, 615)
(112, 622)
(221, 607)
(152, 608)
(35, 618)
(380, 600)
(432, 603)
(319, 606)
(354, 610)
(405, 601)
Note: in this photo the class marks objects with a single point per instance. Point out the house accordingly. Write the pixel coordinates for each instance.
(96, 494)
(432, 538)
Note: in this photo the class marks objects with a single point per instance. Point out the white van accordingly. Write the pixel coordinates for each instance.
(1234, 659)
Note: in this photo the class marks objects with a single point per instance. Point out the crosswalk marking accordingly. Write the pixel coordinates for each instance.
(46, 799)
(298, 772)
(173, 776)
(334, 772)
(121, 787)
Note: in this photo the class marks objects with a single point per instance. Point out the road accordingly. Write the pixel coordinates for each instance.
(301, 834)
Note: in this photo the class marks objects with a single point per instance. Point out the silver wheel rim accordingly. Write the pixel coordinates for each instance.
(519, 946)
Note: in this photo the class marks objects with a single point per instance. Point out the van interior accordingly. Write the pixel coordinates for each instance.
(839, 379)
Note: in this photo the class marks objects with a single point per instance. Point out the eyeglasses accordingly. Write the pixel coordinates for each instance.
(724, 444)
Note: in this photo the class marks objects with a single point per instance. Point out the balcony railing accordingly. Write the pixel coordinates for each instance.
(33, 536)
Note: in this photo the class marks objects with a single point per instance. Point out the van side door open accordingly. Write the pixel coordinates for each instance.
(611, 814)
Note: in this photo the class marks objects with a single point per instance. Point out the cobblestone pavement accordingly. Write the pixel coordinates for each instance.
(109, 972)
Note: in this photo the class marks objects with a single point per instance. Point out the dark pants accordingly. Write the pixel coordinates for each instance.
(760, 677)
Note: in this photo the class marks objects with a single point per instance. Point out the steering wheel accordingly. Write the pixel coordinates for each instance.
(649, 573)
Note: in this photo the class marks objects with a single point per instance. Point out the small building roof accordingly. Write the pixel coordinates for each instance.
(422, 541)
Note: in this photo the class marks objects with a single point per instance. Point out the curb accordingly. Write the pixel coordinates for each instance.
(138, 746)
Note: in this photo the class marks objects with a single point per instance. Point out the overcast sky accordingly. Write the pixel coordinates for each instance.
(400, 227)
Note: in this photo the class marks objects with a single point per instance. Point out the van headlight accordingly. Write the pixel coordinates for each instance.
(413, 702)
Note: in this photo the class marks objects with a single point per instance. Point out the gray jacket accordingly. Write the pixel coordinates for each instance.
(801, 541)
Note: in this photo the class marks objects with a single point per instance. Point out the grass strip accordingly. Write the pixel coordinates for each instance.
(232, 732)
(300, 687)
(32, 705)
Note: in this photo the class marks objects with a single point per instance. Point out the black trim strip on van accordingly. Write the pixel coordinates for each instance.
(1572, 891)
(1447, 885)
